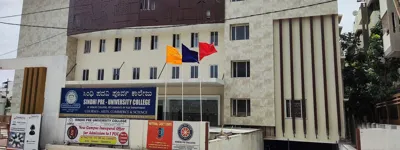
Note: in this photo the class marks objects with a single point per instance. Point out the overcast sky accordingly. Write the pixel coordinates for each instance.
(9, 34)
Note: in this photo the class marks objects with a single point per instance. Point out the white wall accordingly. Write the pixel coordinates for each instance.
(390, 38)
(291, 81)
(145, 58)
(383, 7)
(64, 147)
(259, 87)
(137, 137)
(379, 139)
(138, 134)
(247, 141)
(52, 131)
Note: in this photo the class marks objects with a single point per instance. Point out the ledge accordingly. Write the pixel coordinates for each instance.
(141, 83)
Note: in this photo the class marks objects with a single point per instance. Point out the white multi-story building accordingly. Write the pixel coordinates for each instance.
(6, 89)
(271, 54)
(370, 12)
(391, 27)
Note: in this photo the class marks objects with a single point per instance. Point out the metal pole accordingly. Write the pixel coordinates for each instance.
(162, 71)
(8, 85)
(121, 65)
(73, 67)
(201, 101)
(165, 95)
(182, 89)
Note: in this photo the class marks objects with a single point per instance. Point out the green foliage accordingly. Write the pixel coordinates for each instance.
(368, 76)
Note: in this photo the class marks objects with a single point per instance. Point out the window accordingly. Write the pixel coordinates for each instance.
(240, 107)
(214, 38)
(100, 74)
(194, 40)
(118, 43)
(88, 45)
(138, 43)
(240, 69)
(393, 22)
(116, 73)
(214, 71)
(147, 5)
(296, 112)
(85, 76)
(175, 72)
(240, 32)
(153, 72)
(175, 40)
(194, 71)
(154, 42)
(102, 48)
(136, 74)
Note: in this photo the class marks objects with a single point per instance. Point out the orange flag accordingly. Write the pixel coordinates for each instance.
(173, 56)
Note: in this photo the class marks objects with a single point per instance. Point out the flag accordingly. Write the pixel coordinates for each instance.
(173, 56)
(189, 55)
(206, 49)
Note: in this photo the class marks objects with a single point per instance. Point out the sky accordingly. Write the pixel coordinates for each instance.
(9, 34)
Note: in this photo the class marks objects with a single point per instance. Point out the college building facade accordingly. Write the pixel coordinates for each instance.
(277, 67)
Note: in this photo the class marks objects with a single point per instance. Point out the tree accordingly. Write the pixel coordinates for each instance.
(368, 76)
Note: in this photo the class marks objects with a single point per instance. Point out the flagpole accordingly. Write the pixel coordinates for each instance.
(165, 96)
(182, 89)
(201, 101)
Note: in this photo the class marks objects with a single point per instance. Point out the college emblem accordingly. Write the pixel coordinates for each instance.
(72, 132)
(160, 133)
(185, 131)
(71, 97)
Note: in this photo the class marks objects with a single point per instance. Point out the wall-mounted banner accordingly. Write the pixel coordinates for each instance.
(186, 136)
(159, 135)
(129, 103)
(24, 132)
(97, 131)
(175, 135)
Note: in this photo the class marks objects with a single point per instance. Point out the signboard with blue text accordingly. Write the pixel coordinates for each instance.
(127, 103)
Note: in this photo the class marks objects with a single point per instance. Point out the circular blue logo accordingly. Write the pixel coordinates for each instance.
(185, 131)
(71, 97)
(160, 133)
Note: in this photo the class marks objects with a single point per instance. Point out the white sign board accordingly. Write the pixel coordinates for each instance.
(186, 136)
(97, 131)
(24, 132)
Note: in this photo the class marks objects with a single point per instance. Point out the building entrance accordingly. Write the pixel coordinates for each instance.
(191, 109)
